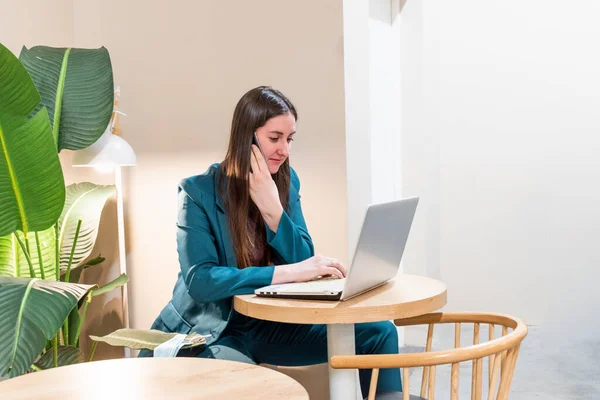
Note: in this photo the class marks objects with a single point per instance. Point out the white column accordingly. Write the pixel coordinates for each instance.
(343, 383)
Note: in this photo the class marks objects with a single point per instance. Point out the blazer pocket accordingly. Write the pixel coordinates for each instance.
(174, 321)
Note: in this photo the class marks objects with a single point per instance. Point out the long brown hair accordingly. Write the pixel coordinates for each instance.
(252, 111)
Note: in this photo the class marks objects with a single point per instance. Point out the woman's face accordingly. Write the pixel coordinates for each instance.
(275, 138)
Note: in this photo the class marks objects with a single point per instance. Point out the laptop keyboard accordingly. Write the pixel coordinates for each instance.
(325, 278)
(324, 285)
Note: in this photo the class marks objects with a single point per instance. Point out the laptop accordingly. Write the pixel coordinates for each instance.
(376, 259)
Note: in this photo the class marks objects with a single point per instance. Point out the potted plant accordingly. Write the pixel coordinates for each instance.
(52, 99)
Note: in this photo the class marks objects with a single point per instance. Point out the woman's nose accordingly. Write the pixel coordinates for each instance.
(284, 150)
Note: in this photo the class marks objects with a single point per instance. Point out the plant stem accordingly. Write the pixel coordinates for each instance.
(27, 243)
(17, 257)
(55, 350)
(65, 331)
(92, 351)
(68, 274)
(57, 252)
(115, 283)
(81, 318)
(35, 368)
(39, 251)
(67, 278)
(31, 271)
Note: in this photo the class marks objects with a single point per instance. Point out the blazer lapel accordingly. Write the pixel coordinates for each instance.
(223, 225)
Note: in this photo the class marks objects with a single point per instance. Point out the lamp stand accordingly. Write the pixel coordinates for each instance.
(122, 251)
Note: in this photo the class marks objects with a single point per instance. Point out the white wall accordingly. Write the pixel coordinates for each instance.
(501, 139)
(36, 22)
(385, 104)
(182, 66)
(372, 71)
(420, 142)
(372, 93)
(358, 138)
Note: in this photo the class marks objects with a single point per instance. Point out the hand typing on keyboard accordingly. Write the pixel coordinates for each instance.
(314, 268)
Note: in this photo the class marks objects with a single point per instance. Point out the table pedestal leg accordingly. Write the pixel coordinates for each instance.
(343, 383)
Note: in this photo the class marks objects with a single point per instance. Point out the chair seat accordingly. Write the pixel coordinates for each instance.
(395, 396)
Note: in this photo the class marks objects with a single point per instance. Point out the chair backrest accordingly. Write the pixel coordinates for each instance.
(502, 353)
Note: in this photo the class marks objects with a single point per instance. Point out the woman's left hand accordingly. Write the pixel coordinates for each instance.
(263, 190)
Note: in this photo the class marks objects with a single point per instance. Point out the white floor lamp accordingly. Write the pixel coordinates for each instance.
(111, 152)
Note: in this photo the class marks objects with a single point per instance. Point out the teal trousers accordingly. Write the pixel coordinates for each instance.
(255, 341)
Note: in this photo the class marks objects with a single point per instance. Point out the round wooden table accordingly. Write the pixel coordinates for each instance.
(403, 297)
(154, 378)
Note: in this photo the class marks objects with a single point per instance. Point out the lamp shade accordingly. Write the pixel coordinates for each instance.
(108, 151)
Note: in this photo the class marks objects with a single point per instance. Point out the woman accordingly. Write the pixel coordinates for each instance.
(240, 227)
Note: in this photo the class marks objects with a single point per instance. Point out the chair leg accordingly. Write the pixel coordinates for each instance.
(477, 368)
(454, 383)
(406, 384)
(373, 386)
(512, 370)
(491, 357)
(494, 381)
(431, 383)
(426, 370)
(507, 363)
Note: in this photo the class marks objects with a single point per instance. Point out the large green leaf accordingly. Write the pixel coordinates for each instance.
(14, 263)
(145, 339)
(75, 317)
(32, 311)
(67, 355)
(85, 201)
(32, 188)
(77, 89)
(8, 263)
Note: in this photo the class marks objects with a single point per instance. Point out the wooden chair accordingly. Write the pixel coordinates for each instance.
(502, 353)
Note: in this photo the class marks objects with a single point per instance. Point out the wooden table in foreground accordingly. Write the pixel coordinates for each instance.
(154, 378)
(404, 297)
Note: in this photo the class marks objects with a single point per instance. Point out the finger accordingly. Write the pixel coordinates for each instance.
(338, 265)
(260, 158)
(254, 164)
(333, 271)
(342, 269)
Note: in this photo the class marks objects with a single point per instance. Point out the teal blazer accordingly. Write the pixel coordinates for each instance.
(208, 277)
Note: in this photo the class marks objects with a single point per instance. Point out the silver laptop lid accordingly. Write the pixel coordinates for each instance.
(380, 245)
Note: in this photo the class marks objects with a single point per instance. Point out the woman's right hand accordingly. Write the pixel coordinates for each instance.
(308, 270)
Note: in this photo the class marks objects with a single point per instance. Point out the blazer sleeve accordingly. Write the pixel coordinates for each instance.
(292, 241)
(205, 279)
